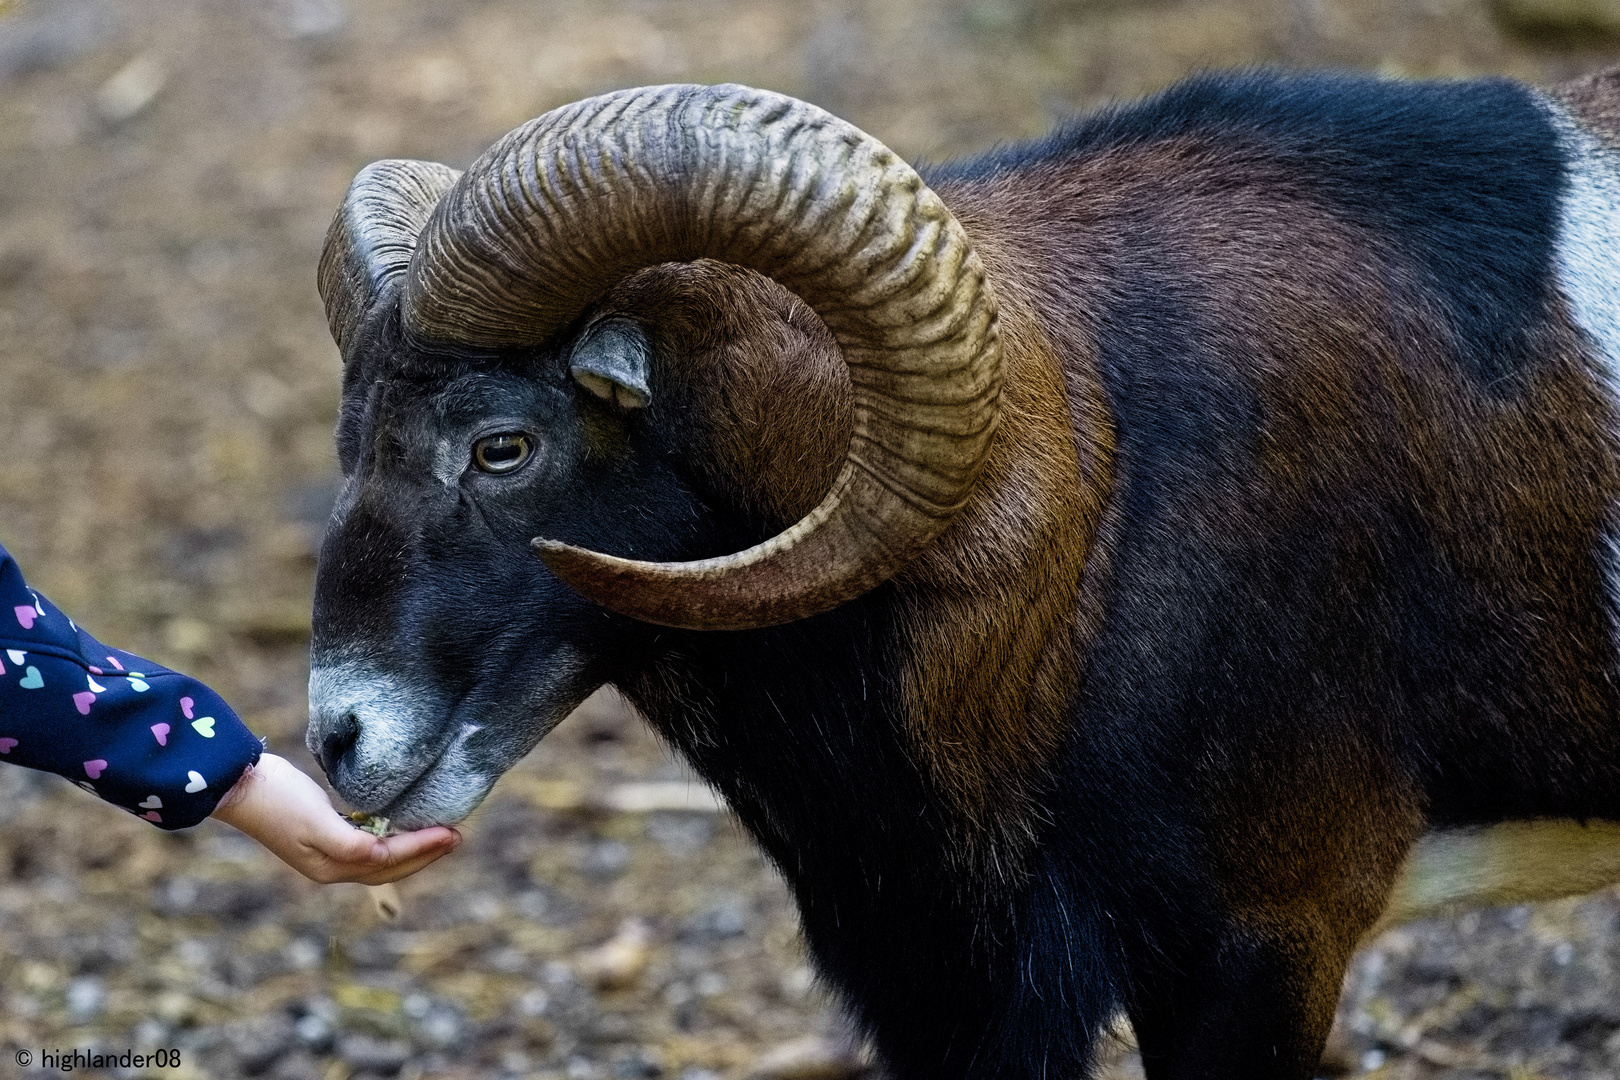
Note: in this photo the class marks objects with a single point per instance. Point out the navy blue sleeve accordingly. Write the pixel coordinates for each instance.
(155, 742)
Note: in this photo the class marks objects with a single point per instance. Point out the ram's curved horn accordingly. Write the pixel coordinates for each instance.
(370, 241)
(565, 206)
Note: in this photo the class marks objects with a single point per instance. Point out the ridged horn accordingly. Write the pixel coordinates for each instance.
(372, 236)
(565, 206)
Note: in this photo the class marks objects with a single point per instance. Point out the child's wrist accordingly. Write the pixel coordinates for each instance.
(226, 808)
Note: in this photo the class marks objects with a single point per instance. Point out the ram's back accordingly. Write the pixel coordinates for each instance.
(1354, 343)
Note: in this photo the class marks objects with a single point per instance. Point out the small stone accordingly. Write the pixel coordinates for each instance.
(150, 1032)
(367, 1054)
(304, 954)
(131, 89)
(314, 1031)
(797, 983)
(605, 860)
(640, 1064)
(441, 1028)
(727, 919)
(617, 963)
(484, 907)
(175, 1008)
(386, 902)
(531, 904)
(641, 797)
(298, 1065)
(681, 834)
(814, 1057)
(86, 998)
(257, 1045)
(187, 635)
(307, 20)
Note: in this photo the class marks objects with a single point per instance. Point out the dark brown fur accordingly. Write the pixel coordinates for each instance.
(985, 693)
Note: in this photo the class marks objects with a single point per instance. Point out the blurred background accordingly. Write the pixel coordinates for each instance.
(167, 394)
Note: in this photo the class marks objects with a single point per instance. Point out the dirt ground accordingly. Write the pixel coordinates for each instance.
(167, 394)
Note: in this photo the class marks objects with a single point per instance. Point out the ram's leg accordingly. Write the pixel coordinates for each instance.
(1257, 1006)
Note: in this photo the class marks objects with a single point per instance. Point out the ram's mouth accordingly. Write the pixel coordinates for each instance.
(378, 738)
(443, 793)
(416, 754)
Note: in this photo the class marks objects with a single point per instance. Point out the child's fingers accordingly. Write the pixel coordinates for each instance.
(359, 856)
(406, 867)
(287, 812)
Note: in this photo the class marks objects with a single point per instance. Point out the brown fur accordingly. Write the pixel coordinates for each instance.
(1310, 849)
(986, 692)
(763, 371)
(998, 615)
(990, 606)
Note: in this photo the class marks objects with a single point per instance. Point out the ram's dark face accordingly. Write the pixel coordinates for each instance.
(444, 648)
(577, 389)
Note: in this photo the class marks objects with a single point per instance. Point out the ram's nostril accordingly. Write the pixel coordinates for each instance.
(339, 741)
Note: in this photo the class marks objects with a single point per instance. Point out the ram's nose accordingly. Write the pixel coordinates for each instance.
(374, 735)
(332, 733)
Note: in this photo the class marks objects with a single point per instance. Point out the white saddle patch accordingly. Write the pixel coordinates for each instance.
(1589, 238)
(1515, 862)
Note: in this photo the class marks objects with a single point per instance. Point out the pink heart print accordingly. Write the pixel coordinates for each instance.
(113, 660)
(25, 615)
(6, 745)
(152, 815)
(93, 769)
(161, 733)
(82, 701)
(185, 706)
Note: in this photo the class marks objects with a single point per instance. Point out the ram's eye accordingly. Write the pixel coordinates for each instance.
(501, 453)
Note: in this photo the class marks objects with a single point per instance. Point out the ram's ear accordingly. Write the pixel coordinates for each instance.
(613, 361)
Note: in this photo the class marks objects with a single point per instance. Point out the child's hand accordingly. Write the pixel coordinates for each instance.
(288, 813)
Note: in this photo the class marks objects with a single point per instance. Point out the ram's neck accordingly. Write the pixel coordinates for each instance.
(989, 616)
(934, 705)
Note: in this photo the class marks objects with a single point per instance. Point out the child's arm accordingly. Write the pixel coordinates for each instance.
(165, 747)
(288, 813)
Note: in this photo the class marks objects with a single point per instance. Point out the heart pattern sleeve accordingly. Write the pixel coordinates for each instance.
(153, 741)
